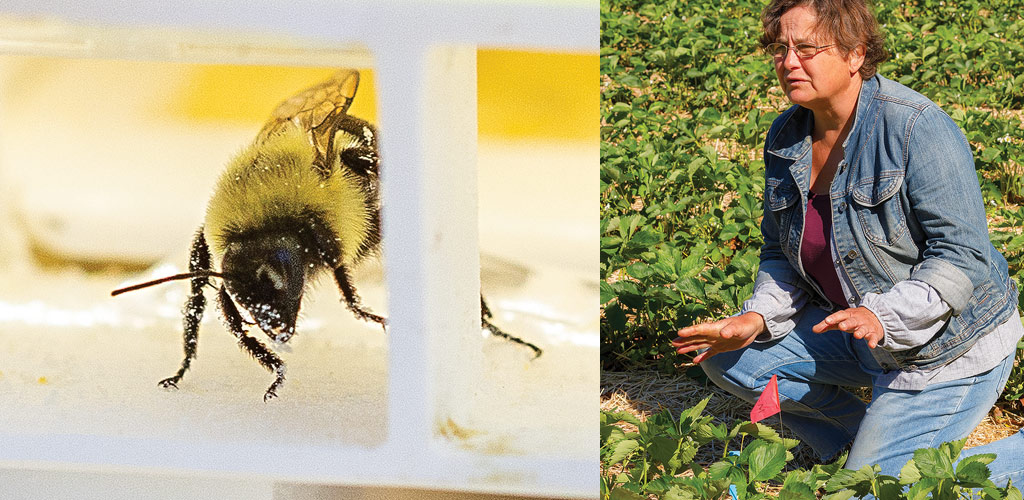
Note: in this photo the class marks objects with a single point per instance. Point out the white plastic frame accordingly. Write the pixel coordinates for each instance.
(424, 54)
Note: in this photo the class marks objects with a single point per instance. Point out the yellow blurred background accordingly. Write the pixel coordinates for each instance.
(522, 95)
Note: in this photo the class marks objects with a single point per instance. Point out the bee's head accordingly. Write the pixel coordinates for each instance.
(266, 275)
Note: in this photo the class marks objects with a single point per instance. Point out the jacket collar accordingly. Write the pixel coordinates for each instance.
(794, 138)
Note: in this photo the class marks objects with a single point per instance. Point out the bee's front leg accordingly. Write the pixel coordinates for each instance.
(199, 260)
(255, 348)
(352, 300)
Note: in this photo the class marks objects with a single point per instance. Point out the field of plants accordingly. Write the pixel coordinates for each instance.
(687, 97)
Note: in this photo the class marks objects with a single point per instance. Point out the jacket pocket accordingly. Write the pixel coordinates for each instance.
(780, 197)
(879, 209)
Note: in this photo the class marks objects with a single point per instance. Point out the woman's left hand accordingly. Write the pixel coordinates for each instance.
(859, 321)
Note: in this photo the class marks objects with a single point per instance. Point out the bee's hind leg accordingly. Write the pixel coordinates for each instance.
(362, 158)
(352, 299)
(199, 260)
(485, 316)
(254, 347)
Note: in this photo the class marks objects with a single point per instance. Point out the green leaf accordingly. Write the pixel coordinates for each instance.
(729, 231)
(611, 433)
(888, 487)
(621, 107)
(644, 238)
(607, 294)
(686, 453)
(797, 491)
(693, 264)
(639, 270)
(697, 470)
(857, 480)
(767, 461)
(840, 495)
(798, 476)
(720, 470)
(660, 485)
(679, 493)
(973, 474)
(622, 450)
(992, 493)
(832, 468)
(662, 449)
(716, 488)
(630, 81)
(628, 225)
(621, 416)
(932, 462)
(720, 432)
(921, 489)
(624, 494)
(1012, 493)
(759, 431)
(790, 443)
(694, 411)
(694, 166)
(691, 288)
(985, 458)
(704, 433)
(909, 474)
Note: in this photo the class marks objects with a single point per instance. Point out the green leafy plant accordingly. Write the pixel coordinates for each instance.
(657, 460)
(933, 473)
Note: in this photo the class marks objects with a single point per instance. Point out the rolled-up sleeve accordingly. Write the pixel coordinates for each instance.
(779, 303)
(946, 201)
(911, 313)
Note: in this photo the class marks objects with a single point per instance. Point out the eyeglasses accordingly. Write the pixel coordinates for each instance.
(803, 50)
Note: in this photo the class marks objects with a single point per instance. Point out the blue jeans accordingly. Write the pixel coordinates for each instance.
(811, 369)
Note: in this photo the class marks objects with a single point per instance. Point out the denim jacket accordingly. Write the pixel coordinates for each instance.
(905, 205)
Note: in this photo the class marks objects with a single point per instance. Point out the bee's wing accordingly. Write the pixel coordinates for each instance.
(315, 110)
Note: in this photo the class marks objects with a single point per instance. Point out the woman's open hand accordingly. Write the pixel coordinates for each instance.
(859, 321)
(724, 335)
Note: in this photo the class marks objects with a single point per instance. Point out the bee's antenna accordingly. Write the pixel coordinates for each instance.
(168, 278)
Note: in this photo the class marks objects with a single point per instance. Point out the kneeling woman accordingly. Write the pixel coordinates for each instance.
(877, 269)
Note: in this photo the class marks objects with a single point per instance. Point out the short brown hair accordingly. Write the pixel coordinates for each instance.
(847, 23)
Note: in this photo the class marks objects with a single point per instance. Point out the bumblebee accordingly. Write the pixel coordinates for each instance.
(301, 200)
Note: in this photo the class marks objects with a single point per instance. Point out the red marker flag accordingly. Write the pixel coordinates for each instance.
(768, 404)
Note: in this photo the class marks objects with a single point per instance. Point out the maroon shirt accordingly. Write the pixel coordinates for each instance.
(815, 252)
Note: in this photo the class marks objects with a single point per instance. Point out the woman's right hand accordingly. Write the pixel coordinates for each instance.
(728, 334)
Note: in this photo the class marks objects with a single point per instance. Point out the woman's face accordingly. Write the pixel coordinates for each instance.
(814, 81)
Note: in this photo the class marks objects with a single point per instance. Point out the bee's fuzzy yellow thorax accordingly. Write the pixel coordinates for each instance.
(275, 180)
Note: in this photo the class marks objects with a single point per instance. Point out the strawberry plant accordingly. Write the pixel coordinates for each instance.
(657, 460)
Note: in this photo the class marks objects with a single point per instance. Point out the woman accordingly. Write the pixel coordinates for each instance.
(876, 269)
